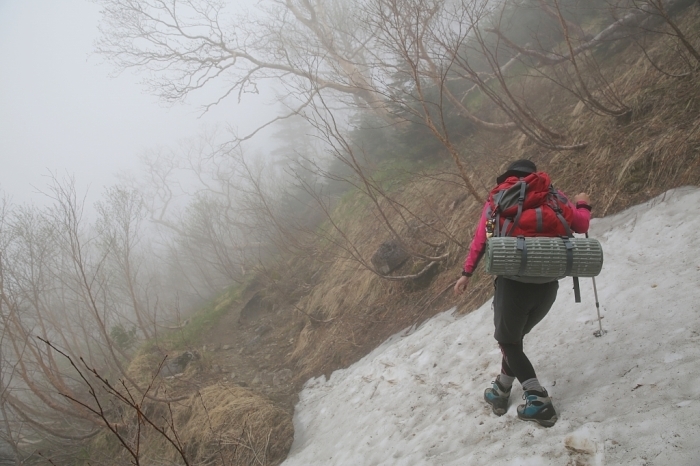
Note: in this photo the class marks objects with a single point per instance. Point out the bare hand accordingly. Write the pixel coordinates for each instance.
(582, 197)
(461, 285)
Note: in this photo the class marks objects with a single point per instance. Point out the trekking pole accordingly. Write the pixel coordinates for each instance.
(600, 332)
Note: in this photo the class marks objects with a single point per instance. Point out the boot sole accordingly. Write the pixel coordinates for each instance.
(542, 422)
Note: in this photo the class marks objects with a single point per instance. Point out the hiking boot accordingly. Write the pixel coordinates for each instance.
(497, 397)
(538, 408)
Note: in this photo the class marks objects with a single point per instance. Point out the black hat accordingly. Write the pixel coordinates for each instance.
(522, 167)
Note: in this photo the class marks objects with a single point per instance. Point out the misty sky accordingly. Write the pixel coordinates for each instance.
(61, 111)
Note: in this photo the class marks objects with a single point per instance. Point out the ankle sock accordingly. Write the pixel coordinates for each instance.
(505, 381)
(533, 385)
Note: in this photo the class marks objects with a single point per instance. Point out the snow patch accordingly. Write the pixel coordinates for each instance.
(628, 397)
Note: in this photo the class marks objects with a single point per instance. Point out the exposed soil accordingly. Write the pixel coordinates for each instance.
(249, 347)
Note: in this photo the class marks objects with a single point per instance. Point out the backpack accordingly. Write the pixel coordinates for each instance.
(529, 237)
(528, 207)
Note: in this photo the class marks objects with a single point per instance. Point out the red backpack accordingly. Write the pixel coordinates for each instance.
(528, 206)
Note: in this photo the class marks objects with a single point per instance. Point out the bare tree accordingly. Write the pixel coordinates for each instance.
(571, 63)
(390, 213)
(435, 56)
(628, 17)
(189, 195)
(488, 65)
(663, 9)
(607, 100)
(120, 229)
(128, 427)
(681, 41)
(9, 435)
(404, 27)
(64, 279)
(192, 44)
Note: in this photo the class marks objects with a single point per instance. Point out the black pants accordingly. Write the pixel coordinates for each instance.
(517, 308)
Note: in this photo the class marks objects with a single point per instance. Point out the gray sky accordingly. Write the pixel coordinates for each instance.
(60, 110)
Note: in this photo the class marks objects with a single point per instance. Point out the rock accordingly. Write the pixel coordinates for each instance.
(263, 329)
(255, 307)
(176, 366)
(226, 347)
(389, 256)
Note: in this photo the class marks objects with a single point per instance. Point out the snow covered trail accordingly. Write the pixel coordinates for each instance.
(631, 397)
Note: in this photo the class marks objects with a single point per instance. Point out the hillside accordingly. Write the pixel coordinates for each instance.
(313, 316)
(348, 311)
(274, 349)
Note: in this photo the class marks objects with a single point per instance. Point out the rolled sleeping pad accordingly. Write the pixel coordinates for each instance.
(544, 257)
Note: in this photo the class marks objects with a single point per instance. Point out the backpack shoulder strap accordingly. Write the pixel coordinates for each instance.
(557, 210)
(521, 201)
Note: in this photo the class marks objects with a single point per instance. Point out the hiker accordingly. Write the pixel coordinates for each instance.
(520, 303)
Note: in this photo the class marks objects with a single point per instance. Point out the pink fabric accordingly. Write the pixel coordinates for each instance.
(579, 224)
(478, 243)
(582, 218)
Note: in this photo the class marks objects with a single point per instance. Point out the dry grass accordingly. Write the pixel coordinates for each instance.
(222, 424)
(351, 309)
(229, 425)
(143, 367)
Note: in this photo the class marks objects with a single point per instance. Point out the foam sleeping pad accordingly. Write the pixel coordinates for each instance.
(544, 257)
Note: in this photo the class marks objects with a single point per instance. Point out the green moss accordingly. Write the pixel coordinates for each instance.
(201, 322)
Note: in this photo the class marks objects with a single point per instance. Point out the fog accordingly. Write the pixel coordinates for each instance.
(63, 110)
(81, 260)
(125, 206)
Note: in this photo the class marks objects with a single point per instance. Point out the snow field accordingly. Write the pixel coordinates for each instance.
(630, 397)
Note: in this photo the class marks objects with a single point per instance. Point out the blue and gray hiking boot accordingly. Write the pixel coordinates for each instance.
(538, 408)
(497, 397)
